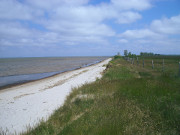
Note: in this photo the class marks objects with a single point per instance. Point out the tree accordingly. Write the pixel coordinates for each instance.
(129, 54)
(146, 54)
(125, 52)
(141, 53)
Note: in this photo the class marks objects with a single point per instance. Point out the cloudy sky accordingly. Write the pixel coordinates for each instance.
(37, 28)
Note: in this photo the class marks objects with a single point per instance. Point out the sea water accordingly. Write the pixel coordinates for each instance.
(20, 70)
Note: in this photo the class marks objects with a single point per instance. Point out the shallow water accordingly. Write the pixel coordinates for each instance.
(19, 70)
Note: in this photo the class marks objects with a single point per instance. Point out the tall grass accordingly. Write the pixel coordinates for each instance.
(129, 99)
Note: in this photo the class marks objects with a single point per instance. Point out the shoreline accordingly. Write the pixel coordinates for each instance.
(25, 105)
(58, 72)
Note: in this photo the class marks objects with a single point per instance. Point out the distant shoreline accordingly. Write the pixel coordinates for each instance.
(55, 73)
(8, 81)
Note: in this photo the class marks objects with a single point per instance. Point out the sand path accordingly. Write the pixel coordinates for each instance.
(24, 105)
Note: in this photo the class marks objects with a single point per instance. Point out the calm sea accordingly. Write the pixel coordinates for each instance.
(20, 70)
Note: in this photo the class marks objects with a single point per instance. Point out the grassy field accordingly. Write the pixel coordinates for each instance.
(128, 100)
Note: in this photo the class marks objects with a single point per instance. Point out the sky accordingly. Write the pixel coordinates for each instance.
(48, 28)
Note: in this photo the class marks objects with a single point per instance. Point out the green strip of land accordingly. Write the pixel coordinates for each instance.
(128, 100)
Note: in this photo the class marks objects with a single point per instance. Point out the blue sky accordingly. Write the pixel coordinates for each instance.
(39, 28)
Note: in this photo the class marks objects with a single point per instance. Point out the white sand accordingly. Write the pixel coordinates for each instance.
(25, 105)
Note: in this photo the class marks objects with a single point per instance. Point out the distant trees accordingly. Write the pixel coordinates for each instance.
(157, 54)
(146, 54)
(129, 54)
(125, 52)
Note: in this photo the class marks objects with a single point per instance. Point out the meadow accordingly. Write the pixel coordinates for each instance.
(129, 99)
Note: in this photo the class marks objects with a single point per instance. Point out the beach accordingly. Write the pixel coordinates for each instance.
(25, 105)
(21, 70)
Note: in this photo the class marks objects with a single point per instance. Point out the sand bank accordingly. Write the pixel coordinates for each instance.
(25, 105)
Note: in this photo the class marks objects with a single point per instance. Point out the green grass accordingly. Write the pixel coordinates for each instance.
(128, 100)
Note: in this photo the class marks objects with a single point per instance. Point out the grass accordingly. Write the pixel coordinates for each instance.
(128, 100)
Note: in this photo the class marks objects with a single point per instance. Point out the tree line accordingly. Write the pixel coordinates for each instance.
(129, 54)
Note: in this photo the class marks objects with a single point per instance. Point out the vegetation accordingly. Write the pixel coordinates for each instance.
(147, 54)
(129, 99)
(126, 53)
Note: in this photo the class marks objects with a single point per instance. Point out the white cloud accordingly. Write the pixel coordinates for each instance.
(132, 4)
(128, 17)
(157, 29)
(162, 36)
(13, 9)
(123, 41)
(70, 22)
(141, 33)
(13, 34)
(167, 26)
(13, 30)
(68, 28)
(53, 4)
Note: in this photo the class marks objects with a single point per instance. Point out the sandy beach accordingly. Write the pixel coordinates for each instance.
(25, 105)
